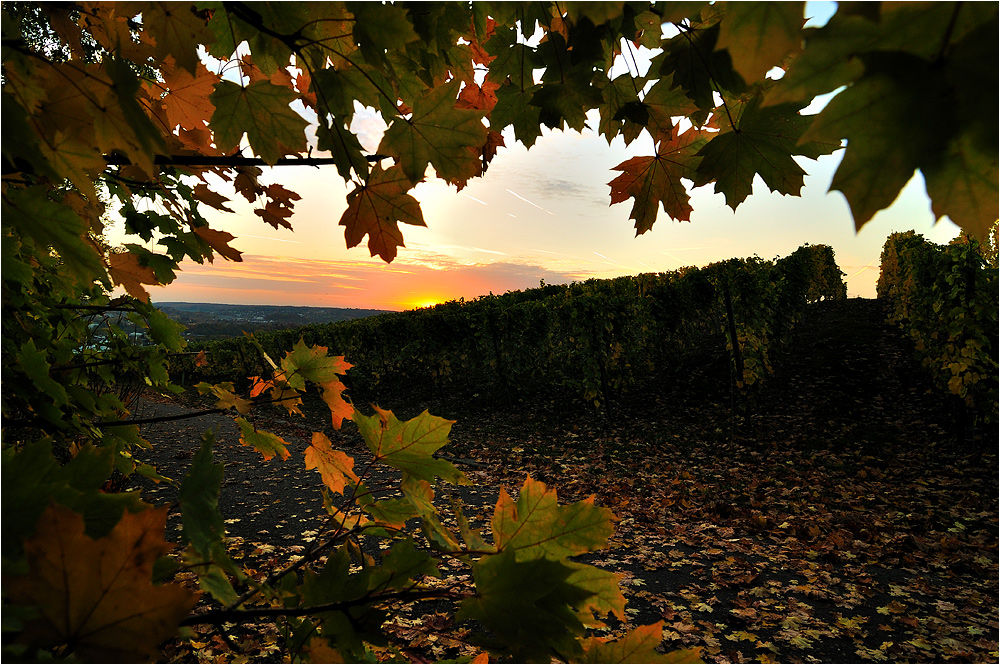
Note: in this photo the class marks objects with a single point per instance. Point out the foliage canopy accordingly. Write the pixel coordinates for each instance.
(137, 109)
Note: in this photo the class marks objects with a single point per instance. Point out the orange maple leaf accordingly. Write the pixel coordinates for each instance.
(375, 208)
(187, 101)
(219, 241)
(336, 466)
(125, 269)
(340, 409)
(210, 197)
(655, 180)
(478, 97)
(96, 596)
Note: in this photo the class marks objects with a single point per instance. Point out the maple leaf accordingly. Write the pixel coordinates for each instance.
(475, 97)
(637, 646)
(335, 466)
(963, 185)
(537, 526)
(246, 182)
(187, 100)
(96, 596)
(437, 134)
(891, 120)
(125, 269)
(756, 140)
(514, 108)
(179, 29)
(409, 446)
(332, 393)
(261, 111)
(211, 198)
(274, 214)
(310, 363)
(219, 241)
(529, 605)
(267, 444)
(656, 180)
(227, 398)
(375, 208)
(759, 35)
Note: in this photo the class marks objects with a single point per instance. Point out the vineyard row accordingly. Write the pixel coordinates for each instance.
(945, 297)
(594, 339)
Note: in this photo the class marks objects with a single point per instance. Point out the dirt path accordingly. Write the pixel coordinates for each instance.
(844, 524)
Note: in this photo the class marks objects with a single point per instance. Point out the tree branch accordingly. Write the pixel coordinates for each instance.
(231, 160)
(221, 616)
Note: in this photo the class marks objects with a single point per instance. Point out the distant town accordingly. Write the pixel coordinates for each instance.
(207, 321)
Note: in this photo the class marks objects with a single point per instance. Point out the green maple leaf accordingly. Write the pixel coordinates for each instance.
(696, 66)
(537, 526)
(380, 28)
(893, 121)
(400, 566)
(261, 111)
(265, 443)
(437, 134)
(758, 140)
(621, 101)
(514, 108)
(179, 31)
(199, 497)
(759, 35)
(420, 496)
(665, 101)
(375, 209)
(311, 363)
(656, 180)
(344, 147)
(409, 446)
(567, 101)
(528, 605)
(963, 186)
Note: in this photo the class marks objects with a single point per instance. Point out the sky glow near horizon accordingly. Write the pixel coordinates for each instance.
(538, 214)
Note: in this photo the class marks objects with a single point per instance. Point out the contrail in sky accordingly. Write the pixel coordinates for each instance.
(475, 199)
(530, 203)
(609, 259)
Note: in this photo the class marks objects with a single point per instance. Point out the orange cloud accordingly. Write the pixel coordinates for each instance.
(423, 281)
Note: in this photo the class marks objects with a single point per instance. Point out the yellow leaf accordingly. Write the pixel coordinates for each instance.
(96, 596)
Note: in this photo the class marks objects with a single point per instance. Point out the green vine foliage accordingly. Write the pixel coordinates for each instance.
(114, 109)
(945, 298)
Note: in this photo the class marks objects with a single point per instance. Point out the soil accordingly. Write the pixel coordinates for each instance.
(848, 514)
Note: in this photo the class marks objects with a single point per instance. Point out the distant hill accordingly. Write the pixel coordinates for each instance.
(206, 321)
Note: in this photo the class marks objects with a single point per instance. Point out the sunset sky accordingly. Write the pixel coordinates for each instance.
(538, 214)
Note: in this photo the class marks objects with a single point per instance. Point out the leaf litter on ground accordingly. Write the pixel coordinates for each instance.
(845, 522)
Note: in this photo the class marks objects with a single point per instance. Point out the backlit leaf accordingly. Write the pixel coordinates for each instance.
(336, 467)
(637, 646)
(96, 596)
(125, 269)
(759, 35)
(409, 446)
(376, 208)
(654, 181)
(537, 526)
(310, 363)
(267, 444)
(261, 111)
(759, 141)
(437, 134)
